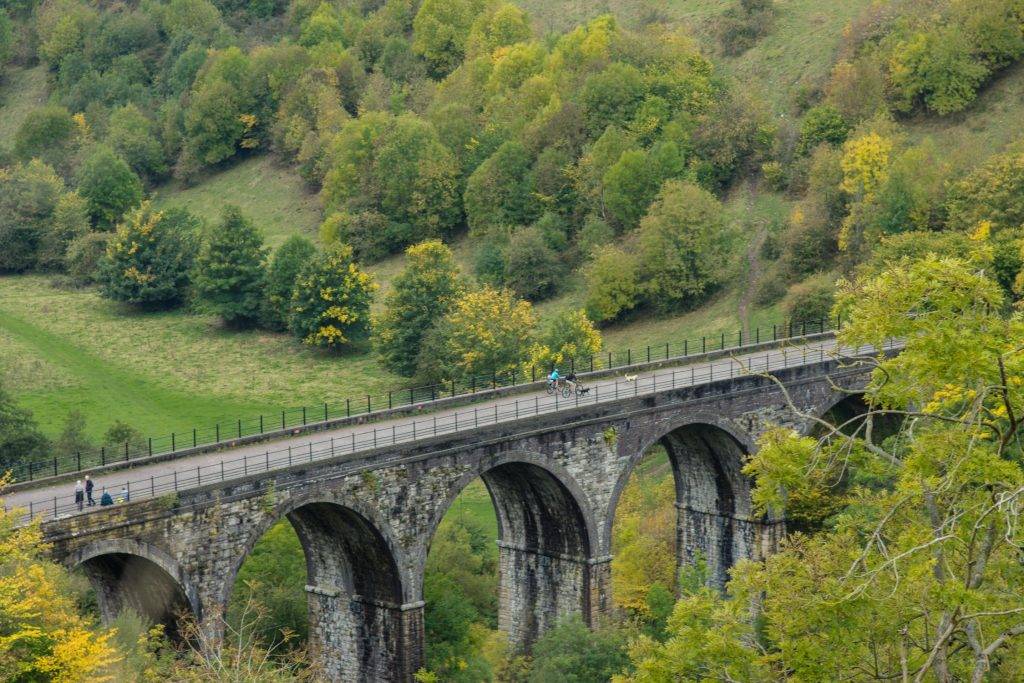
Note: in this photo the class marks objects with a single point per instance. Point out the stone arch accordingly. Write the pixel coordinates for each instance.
(714, 510)
(130, 574)
(843, 408)
(545, 542)
(361, 627)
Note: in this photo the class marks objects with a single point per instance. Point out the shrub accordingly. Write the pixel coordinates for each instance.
(29, 194)
(367, 232)
(422, 293)
(288, 260)
(822, 124)
(532, 268)
(231, 269)
(149, 258)
(741, 25)
(70, 221)
(46, 133)
(594, 234)
(810, 300)
(84, 256)
(109, 185)
(612, 284)
(330, 305)
(993, 192)
(20, 438)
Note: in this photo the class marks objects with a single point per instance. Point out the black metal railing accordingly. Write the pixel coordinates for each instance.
(228, 431)
(188, 477)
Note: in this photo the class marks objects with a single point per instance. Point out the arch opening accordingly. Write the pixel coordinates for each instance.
(327, 574)
(850, 415)
(525, 553)
(125, 581)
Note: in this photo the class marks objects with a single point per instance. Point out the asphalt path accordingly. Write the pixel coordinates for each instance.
(155, 479)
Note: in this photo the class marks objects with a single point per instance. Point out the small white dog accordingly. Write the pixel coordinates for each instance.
(630, 378)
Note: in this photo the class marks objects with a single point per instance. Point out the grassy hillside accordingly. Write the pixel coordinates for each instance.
(273, 196)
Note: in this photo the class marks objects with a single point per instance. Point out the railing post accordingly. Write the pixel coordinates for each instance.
(195, 439)
(703, 344)
(239, 428)
(648, 353)
(217, 431)
(303, 416)
(368, 404)
(261, 423)
(126, 451)
(150, 452)
(103, 451)
(282, 420)
(389, 400)
(55, 465)
(325, 411)
(348, 407)
(629, 356)
(686, 347)
(79, 456)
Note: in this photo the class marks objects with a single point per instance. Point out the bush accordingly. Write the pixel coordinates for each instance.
(109, 185)
(612, 284)
(288, 260)
(70, 221)
(231, 269)
(29, 194)
(741, 25)
(20, 438)
(822, 124)
(487, 333)
(532, 268)
(681, 246)
(47, 134)
(489, 261)
(993, 192)
(84, 256)
(330, 305)
(149, 259)
(594, 234)
(367, 232)
(810, 300)
(422, 293)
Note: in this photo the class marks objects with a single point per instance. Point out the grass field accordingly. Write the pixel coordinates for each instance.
(21, 90)
(274, 197)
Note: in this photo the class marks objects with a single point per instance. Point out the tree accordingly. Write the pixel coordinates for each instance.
(29, 194)
(629, 186)
(330, 305)
(397, 167)
(134, 138)
(224, 108)
(612, 283)
(109, 186)
(822, 124)
(568, 341)
(421, 294)
(499, 193)
(20, 438)
(84, 256)
(231, 269)
(993, 192)
(611, 97)
(486, 334)
(73, 438)
(149, 258)
(47, 133)
(682, 254)
(917, 575)
(573, 653)
(532, 268)
(69, 222)
(6, 37)
(440, 31)
(289, 259)
(811, 299)
(44, 637)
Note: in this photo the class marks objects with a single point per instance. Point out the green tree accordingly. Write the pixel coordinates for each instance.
(629, 186)
(499, 193)
(134, 138)
(224, 108)
(486, 333)
(612, 283)
(6, 37)
(532, 268)
(231, 269)
(993, 192)
(440, 31)
(149, 258)
(811, 299)
(923, 528)
(681, 246)
(822, 124)
(20, 438)
(69, 221)
(568, 341)
(47, 133)
(109, 186)
(84, 256)
(611, 97)
(73, 438)
(330, 305)
(29, 194)
(290, 257)
(421, 294)
(397, 167)
(573, 653)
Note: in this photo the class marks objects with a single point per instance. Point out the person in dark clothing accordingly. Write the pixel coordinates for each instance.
(106, 499)
(88, 491)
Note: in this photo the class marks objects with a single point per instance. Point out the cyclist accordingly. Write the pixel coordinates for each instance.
(554, 377)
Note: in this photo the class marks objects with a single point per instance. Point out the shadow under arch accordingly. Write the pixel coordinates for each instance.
(714, 517)
(357, 612)
(847, 411)
(129, 574)
(544, 564)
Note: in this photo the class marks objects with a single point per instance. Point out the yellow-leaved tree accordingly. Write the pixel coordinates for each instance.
(42, 635)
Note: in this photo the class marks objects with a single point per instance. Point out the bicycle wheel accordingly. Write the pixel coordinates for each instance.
(566, 391)
(550, 389)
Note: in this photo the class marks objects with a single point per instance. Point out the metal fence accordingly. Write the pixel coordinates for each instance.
(228, 431)
(450, 423)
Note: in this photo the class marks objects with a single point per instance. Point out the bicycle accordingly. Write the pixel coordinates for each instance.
(559, 385)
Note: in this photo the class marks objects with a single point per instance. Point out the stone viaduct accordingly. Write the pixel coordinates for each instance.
(366, 522)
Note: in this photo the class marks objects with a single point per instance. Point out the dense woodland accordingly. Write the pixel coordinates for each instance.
(508, 162)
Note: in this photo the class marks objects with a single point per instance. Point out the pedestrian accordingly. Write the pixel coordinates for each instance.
(79, 494)
(105, 499)
(123, 497)
(88, 491)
